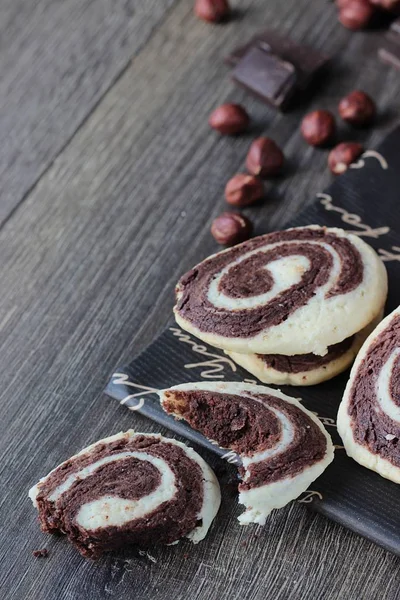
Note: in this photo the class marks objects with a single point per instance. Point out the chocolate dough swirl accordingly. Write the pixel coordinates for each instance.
(250, 425)
(282, 446)
(301, 363)
(250, 278)
(127, 489)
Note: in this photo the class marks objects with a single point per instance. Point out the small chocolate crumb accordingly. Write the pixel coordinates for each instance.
(42, 553)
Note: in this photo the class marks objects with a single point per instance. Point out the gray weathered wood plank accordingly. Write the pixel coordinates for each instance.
(57, 59)
(88, 267)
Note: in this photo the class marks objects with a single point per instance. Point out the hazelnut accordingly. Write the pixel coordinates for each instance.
(212, 11)
(229, 119)
(243, 189)
(264, 157)
(357, 108)
(231, 228)
(318, 127)
(343, 155)
(356, 14)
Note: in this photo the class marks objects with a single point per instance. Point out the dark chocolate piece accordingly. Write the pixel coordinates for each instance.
(305, 61)
(266, 75)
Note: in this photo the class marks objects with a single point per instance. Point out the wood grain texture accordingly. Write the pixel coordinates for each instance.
(89, 261)
(57, 59)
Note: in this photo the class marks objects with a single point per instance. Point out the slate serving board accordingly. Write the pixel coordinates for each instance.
(366, 201)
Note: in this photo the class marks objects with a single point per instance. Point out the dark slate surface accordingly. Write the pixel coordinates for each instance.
(364, 200)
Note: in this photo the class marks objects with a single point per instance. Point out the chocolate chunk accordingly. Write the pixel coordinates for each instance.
(292, 66)
(390, 51)
(266, 75)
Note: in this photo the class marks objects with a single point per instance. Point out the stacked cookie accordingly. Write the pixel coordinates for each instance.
(292, 307)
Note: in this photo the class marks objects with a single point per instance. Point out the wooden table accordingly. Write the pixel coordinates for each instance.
(110, 178)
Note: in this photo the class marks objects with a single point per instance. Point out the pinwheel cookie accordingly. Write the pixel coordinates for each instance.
(291, 292)
(369, 414)
(291, 307)
(282, 446)
(130, 488)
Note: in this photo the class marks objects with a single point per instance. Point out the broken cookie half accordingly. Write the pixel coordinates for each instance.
(130, 488)
(282, 446)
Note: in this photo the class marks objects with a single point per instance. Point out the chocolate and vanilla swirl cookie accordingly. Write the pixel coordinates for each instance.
(282, 446)
(290, 292)
(304, 369)
(130, 488)
(369, 414)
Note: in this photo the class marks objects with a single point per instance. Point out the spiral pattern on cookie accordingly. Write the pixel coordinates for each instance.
(369, 415)
(282, 446)
(275, 279)
(129, 488)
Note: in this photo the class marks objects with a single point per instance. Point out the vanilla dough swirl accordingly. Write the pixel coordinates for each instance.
(128, 489)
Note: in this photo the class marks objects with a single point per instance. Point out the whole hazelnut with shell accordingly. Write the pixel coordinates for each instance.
(212, 11)
(264, 158)
(318, 127)
(243, 189)
(343, 155)
(357, 109)
(231, 228)
(356, 14)
(229, 119)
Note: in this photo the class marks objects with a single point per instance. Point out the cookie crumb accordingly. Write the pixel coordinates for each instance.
(43, 553)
